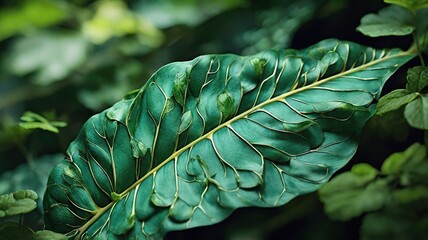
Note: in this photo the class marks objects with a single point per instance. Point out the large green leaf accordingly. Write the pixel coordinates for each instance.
(207, 136)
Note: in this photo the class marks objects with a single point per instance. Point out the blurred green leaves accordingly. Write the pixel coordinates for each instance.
(398, 194)
(114, 19)
(51, 56)
(167, 13)
(26, 16)
(352, 193)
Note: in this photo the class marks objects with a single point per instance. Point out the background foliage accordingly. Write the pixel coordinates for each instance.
(81, 56)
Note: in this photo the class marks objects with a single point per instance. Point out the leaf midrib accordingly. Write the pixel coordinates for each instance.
(207, 135)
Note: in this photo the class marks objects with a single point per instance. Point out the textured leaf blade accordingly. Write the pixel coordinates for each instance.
(416, 112)
(263, 130)
(392, 20)
(394, 100)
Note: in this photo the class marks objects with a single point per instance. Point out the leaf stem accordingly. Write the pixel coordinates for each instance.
(416, 38)
(418, 48)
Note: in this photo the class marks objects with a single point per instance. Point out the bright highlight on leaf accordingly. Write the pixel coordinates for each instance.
(205, 137)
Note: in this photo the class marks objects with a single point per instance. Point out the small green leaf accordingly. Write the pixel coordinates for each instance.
(186, 121)
(352, 193)
(49, 235)
(22, 201)
(394, 100)
(416, 112)
(11, 230)
(409, 4)
(180, 88)
(361, 176)
(392, 20)
(417, 79)
(138, 148)
(395, 163)
(259, 65)
(225, 105)
(364, 170)
(33, 120)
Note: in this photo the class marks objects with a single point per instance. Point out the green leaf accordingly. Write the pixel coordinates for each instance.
(417, 79)
(396, 162)
(415, 170)
(11, 230)
(409, 4)
(114, 19)
(27, 16)
(258, 136)
(391, 225)
(392, 20)
(51, 56)
(394, 100)
(26, 177)
(416, 112)
(49, 235)
(22, 201)
(35, 121)
(168, 13)
(411, 195)
(352, 193)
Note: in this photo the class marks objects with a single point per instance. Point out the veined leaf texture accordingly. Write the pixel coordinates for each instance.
(205, 137)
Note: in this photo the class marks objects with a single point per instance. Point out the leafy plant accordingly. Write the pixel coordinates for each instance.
(17, 203)
(392, 200)
(207, 136)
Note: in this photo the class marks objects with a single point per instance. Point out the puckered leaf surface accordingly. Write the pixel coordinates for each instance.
(207, 136)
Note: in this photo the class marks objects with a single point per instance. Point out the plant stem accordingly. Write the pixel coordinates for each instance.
(418, 49)
(20, 222)
(416, 39)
